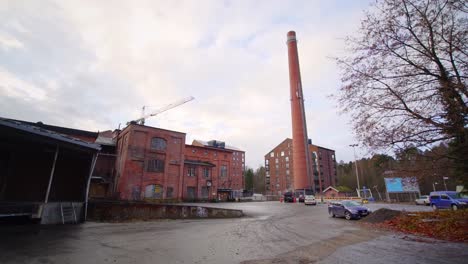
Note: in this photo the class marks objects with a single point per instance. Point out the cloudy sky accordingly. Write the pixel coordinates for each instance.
(92, 65)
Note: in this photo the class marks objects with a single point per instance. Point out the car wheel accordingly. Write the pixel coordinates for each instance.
(347, 215)
(331, 214)
(454, 207)
(434, 207)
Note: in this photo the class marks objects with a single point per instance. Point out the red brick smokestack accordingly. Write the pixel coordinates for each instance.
(301, 166)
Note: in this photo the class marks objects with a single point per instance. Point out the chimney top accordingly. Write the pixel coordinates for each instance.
(291, 36)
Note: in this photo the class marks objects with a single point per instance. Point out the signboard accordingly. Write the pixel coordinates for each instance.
(399, 185)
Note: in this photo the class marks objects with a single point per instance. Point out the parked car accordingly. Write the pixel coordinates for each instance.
(301, 198)
(423, 199)
(310, 199)
(348, 209)
(288, 197)
(447, 200)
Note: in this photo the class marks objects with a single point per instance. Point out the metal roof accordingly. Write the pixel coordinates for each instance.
(199, 162)
(205, 143)
(27, 127)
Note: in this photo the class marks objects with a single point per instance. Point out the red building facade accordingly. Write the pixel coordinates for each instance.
(154, 163)
(279, 163)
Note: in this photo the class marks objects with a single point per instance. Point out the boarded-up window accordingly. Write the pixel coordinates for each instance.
(154, 191)
(155, 165)
(169, 192)
(204, 192)
(158, 143)
(191, 193)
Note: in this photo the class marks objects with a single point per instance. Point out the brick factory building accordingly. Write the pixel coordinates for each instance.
(154, 163)
(279, 168)
(142, 162)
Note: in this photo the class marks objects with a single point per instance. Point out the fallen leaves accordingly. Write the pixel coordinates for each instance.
(442, 224)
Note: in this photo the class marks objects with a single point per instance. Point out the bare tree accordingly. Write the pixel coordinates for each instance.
(405, 75)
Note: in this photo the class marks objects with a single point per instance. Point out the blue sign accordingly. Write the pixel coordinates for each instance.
(393, 185)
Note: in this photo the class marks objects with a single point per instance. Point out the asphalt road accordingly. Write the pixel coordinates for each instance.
(271, 232)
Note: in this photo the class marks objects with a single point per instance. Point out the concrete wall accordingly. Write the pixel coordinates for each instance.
(126, 211)
(52, 214)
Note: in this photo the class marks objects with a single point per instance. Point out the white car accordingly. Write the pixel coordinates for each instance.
(424, 200)
(310, 199)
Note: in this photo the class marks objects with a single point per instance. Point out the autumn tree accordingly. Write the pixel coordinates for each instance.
(405, 77)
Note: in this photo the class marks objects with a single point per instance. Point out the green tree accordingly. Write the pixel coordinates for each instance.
(249, 178)
(259, 180)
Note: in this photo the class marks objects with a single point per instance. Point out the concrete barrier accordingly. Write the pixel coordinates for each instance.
(117, 211)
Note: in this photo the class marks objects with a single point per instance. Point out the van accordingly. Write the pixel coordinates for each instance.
(447, 200)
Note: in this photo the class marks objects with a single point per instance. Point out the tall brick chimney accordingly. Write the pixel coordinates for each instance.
(301, 166)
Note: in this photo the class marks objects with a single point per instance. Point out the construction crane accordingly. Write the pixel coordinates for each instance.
(141, 120)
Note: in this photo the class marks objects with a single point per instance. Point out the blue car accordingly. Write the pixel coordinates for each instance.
(348, 209)
(447, 200)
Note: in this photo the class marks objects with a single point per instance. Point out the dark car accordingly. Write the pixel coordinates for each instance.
(288, 197)
(348, 209)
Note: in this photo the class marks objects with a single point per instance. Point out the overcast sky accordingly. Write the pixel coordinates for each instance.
(92, 65)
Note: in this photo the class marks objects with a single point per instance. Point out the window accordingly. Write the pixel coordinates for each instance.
(158, 144)
(191, 171)
(267, 162)
(191, 193)
(282, 153)
(444, 197)
(206, 172)
(287, 172)
(204, 192)
(287, 165)
(287, 158)
(155, 165)
(272, 154)
(276, 160)
(169, 192)
(277, 166)
(154, 191)
(223, 172)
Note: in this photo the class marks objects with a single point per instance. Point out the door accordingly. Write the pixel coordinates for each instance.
(445, 201)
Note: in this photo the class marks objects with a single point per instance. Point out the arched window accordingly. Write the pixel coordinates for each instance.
(158, 143)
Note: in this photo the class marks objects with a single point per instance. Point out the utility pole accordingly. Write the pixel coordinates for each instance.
(357, 174)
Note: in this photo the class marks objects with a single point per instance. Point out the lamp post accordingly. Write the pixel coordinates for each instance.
(433, 185)
(357, 174)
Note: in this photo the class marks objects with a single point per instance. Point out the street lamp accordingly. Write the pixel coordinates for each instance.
(433, 185)
(357, 174)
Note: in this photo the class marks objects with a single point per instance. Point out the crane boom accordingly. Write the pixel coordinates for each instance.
(141, 120)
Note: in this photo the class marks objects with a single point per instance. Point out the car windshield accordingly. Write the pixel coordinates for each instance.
(350, 203)
(423, 197)
(454, 195)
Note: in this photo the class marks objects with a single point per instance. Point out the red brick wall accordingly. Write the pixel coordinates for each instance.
(279, 161)
(134, 153)
(218, 157)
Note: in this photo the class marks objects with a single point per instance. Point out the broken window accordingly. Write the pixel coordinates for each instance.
(155, 165)
(158, 143)
(191, 171)
(206, 172)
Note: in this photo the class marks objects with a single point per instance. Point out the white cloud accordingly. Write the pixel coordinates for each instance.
(106, 59)
(8, 42)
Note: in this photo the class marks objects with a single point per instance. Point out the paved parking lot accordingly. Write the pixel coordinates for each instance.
(271, 232)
